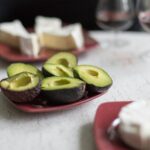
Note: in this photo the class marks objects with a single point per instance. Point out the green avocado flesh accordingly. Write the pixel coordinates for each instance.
(63, 58)
(58, 83)
(93, 75)
(20, 82)
(16, 68)
(57, 70)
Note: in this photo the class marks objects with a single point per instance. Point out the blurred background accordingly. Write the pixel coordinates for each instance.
(69, 11)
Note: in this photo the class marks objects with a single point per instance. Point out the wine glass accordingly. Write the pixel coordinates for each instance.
(115, 15)
(143, 8)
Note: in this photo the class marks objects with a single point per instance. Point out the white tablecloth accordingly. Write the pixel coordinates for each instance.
(73, 129)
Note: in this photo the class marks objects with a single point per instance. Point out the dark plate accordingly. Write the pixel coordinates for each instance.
(105, 115)
(38, 107)
(12, 55)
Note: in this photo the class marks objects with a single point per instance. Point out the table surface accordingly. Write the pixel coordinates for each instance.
(73, 129)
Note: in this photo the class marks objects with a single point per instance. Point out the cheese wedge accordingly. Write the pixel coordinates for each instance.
(47, 24)
(29, 45)
(10, 33)
(66, 38)
(134, 128)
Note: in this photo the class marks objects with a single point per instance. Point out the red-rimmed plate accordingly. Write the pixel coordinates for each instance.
(38, 108)
(105, 115)
(12, 55)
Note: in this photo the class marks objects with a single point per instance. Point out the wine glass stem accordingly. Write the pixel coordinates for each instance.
(117, 40)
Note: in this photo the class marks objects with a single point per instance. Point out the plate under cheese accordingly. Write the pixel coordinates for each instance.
(134, 128)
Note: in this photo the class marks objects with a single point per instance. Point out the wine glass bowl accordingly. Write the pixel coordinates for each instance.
(114, 21)
(143, 8)
(115, 14)
(143, 11)
(144, 18)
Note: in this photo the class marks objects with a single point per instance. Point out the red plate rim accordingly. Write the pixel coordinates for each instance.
(101, 125)
(7, 54)
(38, 109)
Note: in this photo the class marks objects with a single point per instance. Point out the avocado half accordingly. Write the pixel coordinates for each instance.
(97, 79)
(63, 90)
(16, 68)
(63, 58)
(23, 87)
(56, 70)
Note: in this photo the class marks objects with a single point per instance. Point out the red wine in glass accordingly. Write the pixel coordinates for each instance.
(114, 20)
(144, 18)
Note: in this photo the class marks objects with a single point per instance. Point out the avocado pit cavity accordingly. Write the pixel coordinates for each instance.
(63, 62)
(93, 73)
(23, 81)
(97, 79)
(61, 82)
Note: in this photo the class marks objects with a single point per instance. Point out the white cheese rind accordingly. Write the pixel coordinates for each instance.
(10, 32)
(29, 45)
(134, 128)
(15, 28)
(47, 24)
(76, 32)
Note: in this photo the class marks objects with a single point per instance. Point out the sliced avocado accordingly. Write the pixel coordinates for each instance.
(63, 90)
(16, 68)
(63, 58)
(56, 70)
(96, 78)
(22, 87)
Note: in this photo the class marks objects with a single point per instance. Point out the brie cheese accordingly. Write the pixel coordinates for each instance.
(76, 32)
(29, 45)
(66, 38)
(47, 24)
(11, 31)
(134, 128)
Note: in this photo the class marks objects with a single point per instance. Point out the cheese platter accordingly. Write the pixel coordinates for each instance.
(47, 37)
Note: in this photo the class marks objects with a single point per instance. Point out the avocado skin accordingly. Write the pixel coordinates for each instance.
(22, 96)
(76, 75)
(64, 96)
(46, 73)
(40, 74)
(93, 89)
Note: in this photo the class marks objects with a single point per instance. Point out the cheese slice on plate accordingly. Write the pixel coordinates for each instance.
(134, 128)
(66, 38)
(46, 24)
(29, 45)
(10, 33)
